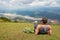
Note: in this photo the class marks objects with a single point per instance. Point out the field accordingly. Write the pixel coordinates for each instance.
(14, 31)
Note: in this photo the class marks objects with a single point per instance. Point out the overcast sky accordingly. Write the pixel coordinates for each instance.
(14, 4)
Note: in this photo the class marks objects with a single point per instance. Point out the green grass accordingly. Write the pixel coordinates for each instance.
(14, 31)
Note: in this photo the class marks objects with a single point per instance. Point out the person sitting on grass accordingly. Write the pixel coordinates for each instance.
(43, 28)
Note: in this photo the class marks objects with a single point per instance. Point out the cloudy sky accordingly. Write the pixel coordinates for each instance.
(14, 4)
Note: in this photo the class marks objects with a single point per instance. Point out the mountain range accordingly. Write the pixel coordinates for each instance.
(36, 12)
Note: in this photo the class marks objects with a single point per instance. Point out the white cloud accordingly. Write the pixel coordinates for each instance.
(9, 14)
(13, 15)
(14, 4)
(38, 3)
(50, 3)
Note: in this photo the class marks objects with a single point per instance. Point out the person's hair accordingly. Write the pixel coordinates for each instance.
(44, 20)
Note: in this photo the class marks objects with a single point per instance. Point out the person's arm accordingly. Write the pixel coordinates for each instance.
(37, 30)
(50, 30)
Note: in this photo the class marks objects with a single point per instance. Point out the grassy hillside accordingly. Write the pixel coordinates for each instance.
(14, 31)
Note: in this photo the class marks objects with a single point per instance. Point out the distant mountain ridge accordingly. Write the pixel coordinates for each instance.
(51, 13)
(37, 12)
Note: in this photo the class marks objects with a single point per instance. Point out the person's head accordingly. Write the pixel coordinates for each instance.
(44, 20)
